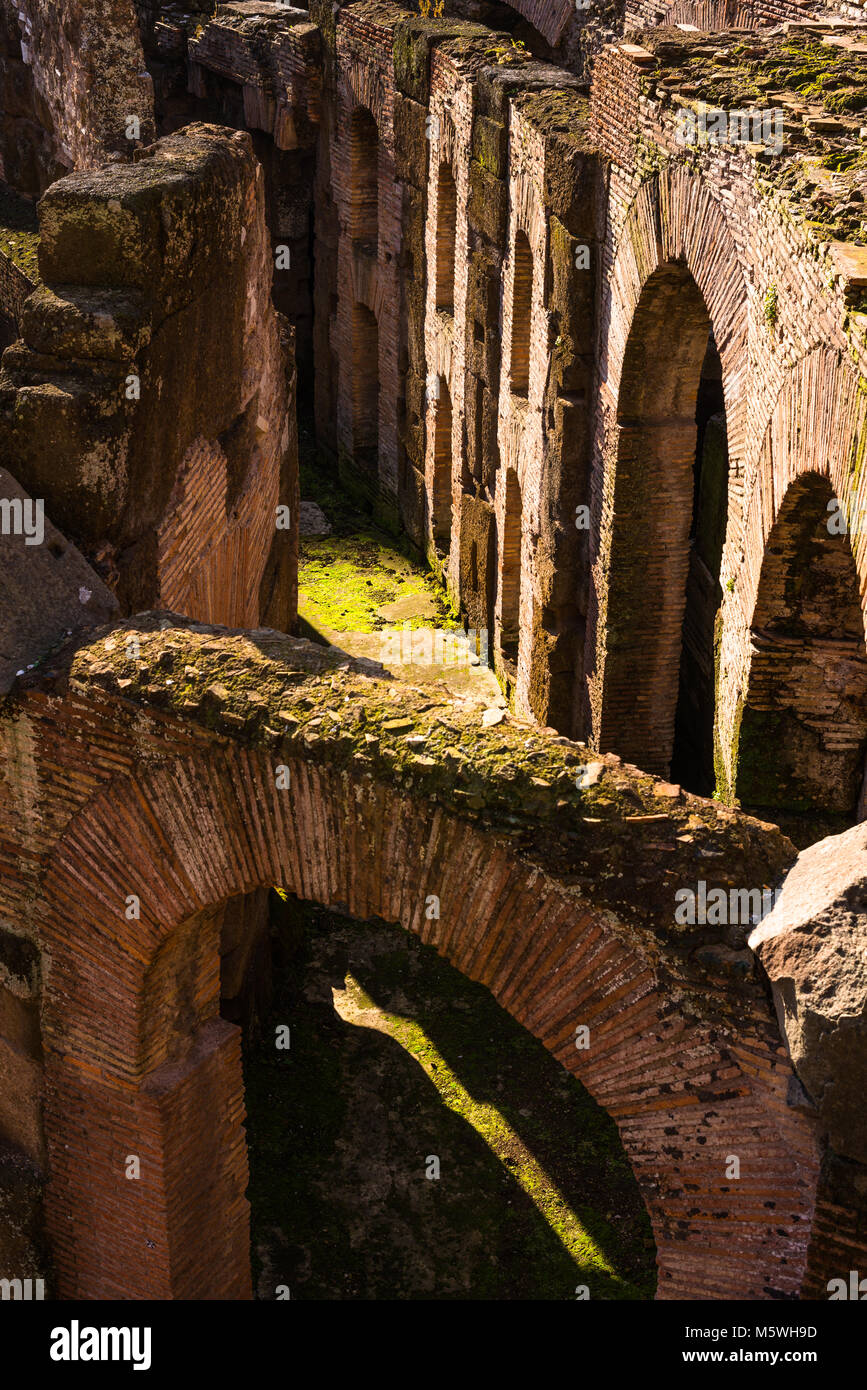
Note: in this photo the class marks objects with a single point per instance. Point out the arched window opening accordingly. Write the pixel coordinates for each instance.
(447, 212)
(316, 1102)
(692, 761)
(670, 500)
(522, 308)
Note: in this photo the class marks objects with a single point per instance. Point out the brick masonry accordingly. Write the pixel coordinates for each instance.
(609, 205)
(684, 1052)
(590, 257)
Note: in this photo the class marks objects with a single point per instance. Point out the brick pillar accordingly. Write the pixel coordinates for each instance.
(179, 1230)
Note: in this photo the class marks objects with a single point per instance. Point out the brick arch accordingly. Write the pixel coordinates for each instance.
(674, 217)
(807, 692)
(818, 426)
(134, 1069)
(674, 237)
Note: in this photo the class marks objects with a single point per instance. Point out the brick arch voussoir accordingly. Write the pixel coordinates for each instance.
(675, 217)
(818, 425)
(683, 1091)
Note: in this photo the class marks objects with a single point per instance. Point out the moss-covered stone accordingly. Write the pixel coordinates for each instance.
(611, 829)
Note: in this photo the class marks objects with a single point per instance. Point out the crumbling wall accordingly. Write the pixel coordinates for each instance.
(85, 93)
(150, 402)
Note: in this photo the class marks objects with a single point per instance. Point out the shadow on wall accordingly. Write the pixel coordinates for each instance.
(413, 1141)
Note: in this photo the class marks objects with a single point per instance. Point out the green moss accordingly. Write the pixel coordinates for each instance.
(297, 700)
(769, 305)
(535, 1194)
(19, 232)
(344, 580)
(748, 76)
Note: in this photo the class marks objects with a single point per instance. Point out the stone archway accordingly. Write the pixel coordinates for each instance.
(817, 433)
(138, 1063)
(803, 729)
(676, 302)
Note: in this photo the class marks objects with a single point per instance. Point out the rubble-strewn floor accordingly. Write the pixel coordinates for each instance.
(395, 1059)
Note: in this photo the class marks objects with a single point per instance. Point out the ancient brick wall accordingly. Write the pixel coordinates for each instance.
(723, 14)
(29, 155)
(366, 332)
(453, 113)
(259, 68)
(171, 403)
(771, 295)
(684, 1050)
(86, 78)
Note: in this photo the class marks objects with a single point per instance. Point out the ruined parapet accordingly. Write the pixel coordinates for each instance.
(148, 403)
(90, 91)
(813, 947)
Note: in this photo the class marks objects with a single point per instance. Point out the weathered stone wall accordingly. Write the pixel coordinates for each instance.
(812, 946)
(85, 78)
(150, 402)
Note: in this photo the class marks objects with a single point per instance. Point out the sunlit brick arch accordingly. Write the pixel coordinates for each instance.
(815, 440)
(676, 274)
(138, 1061)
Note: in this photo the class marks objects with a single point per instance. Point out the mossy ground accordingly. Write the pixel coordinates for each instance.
(19, 231)
(345, 579)
(395, 1057)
